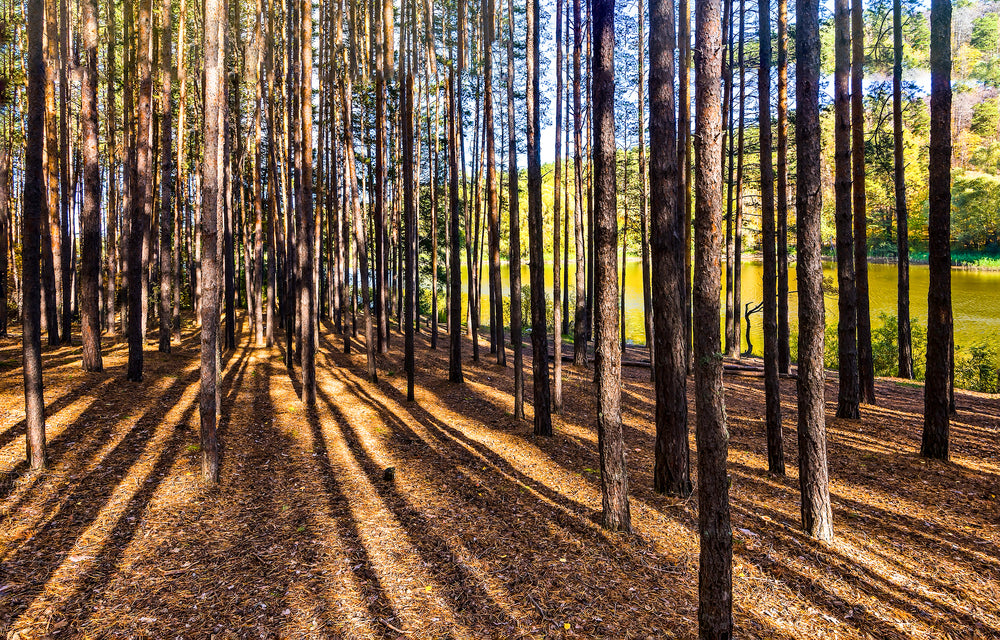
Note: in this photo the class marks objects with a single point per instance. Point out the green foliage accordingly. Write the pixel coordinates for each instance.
(885, 346)
(978, 367)
(985, 118)
(986, 32)
(975, 216)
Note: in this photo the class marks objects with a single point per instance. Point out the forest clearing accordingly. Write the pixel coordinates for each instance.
(484, 531)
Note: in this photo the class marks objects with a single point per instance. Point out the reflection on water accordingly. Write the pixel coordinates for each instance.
(975, 298)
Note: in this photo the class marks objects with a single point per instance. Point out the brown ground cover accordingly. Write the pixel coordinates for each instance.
(484, 532)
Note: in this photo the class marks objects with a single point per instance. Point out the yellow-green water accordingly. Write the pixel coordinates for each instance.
(975, 298)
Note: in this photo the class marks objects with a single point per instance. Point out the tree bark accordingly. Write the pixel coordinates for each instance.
(866, 365)
(5, 224)
(307, 221)
(139, 199)
(939, 315)
(847, 323)
(455, 296)
(580, 312)
(90, 215)
(539, 332)
(513, 180)
(33, 216)
(784, 348)
(672, 463)
(903, 339)
(772, 387)
(715, 600)
(492, 195)
(167, 231)
(611, 443)
(817, 518)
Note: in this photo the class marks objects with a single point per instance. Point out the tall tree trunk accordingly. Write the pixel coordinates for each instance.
(939, 315)
(52, 234)
(167, 232)
(492, 196)
(580, 312)
(214, 68)
(684, 159)
(33, 216)
(5, 189)
(111, 282)
(847, 323)
(90, 215)
(455, 295)
(784, 348)
(539, 332)
(611, 442)
(904, 343)
(514, 212)
(672, 464)
(732, 314)
(817, 518)
(307, 221)
(410, 198)
(258, 205)
(383, 62)
(65, 159)
(647, 300)
(866, 365)
(557, 178)
(140, 203)
(772, 388)
(738, 222)
(715, 600)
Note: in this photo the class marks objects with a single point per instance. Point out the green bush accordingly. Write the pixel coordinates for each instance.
(885, 346)
(978, 367)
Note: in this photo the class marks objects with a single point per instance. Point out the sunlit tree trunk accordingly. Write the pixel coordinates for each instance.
(51, 246)
(492, 196)
(65, 161)
(167, 232)
(939, 314)
(5, 223)
(111, 145)
(817, 518)
(866, 366)
(515, 228)
(455, 296)
(580, 312)
(784, 348)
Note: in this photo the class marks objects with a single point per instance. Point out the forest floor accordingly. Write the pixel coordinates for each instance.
(485, 532)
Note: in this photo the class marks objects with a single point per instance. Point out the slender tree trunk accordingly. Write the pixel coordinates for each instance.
(307, 221)
(684, 157)
(784, 348)
(90, 216)
(514, 213)
(51, 235)
(111, 283)
(866, 366)
(557, 401)
(65, 160)
(847, 398)
(738, 222)
(580, 312)
(715, 600)
(772, 388)
(539, 332)
(5, 189)
(904, 342)
(672, 464)
(139, 198)
(258, 205)
(732, 314)
(382, 61)
(180, 203)
(939, 314)
(167, 231)
(647, 300)
(213, 20)
(817, 517)
(455, 296)
(611, 442)
(410, 198)
(33, 216)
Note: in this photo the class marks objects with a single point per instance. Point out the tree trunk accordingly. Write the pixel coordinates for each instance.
(939, 315)
(738, 222)
(410, 198)
(817, 518)
(647, 300)
(557, 178)
(866, 366)
(5, 188)
(167, 231)
(90, 215)
(715, 599)
(514, 213)
(214, 68)
(139, 198)
(539, 332)
(727, 151)
(455, 296)
(111, 282)
(772, 388)
(905, 348)
(847, 398)
(33, 216)
(65, 159)
(784, 348)
(307, 221)
(492, 196)
(580, 312)
(611, 442)
(684, 156)
(51, 246)
(382, 61)
(672, 463)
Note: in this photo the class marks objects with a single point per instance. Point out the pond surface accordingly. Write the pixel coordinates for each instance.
(975, 298)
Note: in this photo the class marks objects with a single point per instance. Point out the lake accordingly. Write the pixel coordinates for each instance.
(975, 298)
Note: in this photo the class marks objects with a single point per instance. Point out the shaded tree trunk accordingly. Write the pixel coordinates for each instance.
(34, 215)
(715, 600)
(580, 312)
(455, 295)
(772, 388)
(5, 223)
(539, 332)
(90, 215)
(817, 518)
(866, 366)
(904, 343)
(492, 196)
(611, 443)
(672, 463)
(167, 231)
(515, 227)
(939, 315)
(784, 348)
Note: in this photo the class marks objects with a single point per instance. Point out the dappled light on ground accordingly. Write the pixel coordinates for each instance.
(481, 529)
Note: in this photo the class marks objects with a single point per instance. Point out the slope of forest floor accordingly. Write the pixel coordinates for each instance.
(485, 530)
